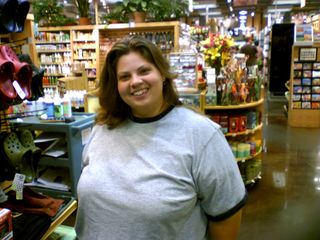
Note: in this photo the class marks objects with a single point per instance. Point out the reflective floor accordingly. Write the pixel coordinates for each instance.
(285, 203)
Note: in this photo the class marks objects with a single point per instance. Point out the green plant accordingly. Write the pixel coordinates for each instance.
(83, 7)
(116, 13)
(50, 13)
(130, 6)
(169, 9)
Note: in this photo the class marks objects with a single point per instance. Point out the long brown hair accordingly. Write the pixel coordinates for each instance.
(113, 110)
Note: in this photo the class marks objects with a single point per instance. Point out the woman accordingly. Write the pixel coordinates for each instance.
(154, 169)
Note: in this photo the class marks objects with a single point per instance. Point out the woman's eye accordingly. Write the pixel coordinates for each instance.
(145, 71)
(123, 77)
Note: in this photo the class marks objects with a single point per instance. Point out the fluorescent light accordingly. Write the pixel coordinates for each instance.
(201, 6)
(279, 10)
(211, 14)
(284, 2)
(243, 12)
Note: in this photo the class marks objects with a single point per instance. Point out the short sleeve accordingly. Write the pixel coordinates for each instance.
(220, 188)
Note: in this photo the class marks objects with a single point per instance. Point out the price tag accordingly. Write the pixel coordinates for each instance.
(18, 89)
(17, 185)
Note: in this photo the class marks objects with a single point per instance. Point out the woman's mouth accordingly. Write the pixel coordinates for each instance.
(140, 92)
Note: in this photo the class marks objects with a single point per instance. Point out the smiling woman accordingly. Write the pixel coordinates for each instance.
(154, 169)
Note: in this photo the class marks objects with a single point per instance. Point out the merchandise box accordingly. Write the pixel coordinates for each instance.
(6, 232)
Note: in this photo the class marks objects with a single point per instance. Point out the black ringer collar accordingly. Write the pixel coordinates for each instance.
(151, 119)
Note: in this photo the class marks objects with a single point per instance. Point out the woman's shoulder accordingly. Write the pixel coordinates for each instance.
(195, 119)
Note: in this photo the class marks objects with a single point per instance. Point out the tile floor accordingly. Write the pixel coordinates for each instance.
(285, 203)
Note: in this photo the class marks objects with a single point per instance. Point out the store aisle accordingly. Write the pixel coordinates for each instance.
(285, 203)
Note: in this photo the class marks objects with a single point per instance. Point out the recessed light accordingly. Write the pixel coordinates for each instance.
(243, 12)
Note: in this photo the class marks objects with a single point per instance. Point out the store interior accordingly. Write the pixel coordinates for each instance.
(268, 111)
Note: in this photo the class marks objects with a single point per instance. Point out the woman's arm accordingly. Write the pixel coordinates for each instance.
(227, 229)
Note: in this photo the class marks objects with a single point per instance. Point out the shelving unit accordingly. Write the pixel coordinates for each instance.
(90, 44)
(304, 97)
(75, 134)
(242, 126)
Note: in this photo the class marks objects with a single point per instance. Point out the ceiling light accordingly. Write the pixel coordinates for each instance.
(279, 10)
(284, 2)
(243, 12)
(252, 14)
(201, 6)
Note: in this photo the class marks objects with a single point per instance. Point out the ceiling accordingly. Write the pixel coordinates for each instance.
(221, 8)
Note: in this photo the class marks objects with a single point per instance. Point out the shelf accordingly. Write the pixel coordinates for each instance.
(249, 157)
(253, 181)
(61, 218)
(230, 107)
(51, 63)
(52, 42)
(53, 51)
(247, 132)
(84, 40)
(52, 161)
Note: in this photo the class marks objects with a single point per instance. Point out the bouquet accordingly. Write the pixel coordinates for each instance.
(216, 49)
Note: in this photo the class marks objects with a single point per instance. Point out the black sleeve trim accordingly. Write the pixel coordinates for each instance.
(232, 211)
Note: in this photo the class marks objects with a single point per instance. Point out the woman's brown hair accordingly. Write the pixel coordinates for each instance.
(113, 110)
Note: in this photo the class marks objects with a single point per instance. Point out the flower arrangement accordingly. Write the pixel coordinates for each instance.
(216, 49)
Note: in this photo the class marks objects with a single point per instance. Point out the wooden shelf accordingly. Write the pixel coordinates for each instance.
(247, 132)
(230, 107)
(61, 218)
(249, 157)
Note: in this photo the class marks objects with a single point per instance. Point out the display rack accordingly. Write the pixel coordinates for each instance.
(70, 45)
(304, 97)
(75, 134)
(242, 125)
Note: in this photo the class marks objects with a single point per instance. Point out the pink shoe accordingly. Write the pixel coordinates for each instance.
(6, 78)
(22, 70)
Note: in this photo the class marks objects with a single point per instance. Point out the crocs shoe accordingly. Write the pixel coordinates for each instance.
(6, 79)
(26, 139)
(22, 71)
(18, 156)
(37, 76)
(21, 15)
(8, 10)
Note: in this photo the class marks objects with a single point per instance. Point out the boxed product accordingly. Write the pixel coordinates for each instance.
(5, 224)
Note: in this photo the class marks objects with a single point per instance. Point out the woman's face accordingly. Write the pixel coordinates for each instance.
(140, 85)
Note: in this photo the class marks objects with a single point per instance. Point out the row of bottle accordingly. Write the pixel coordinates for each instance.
(53, 47)
(64, 68)
(164, 40)
(57, 108)
(47, 107)
(52, 37)
(56, 58)
(76, 96)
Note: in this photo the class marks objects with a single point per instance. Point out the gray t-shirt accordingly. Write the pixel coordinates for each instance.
(159, 178)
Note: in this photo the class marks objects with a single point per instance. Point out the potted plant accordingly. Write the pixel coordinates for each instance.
(116, 14)
(138, 8)
(83, 9)
(170, 9)
(50, 13)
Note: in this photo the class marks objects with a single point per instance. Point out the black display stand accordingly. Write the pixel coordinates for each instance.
(280, 62)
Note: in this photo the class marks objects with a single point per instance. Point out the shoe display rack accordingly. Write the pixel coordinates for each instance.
(75, 135)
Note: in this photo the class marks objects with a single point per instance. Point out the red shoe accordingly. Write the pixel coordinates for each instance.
(6, 78)
(22, 70)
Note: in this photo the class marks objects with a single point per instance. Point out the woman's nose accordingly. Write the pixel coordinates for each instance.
(135, 79)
